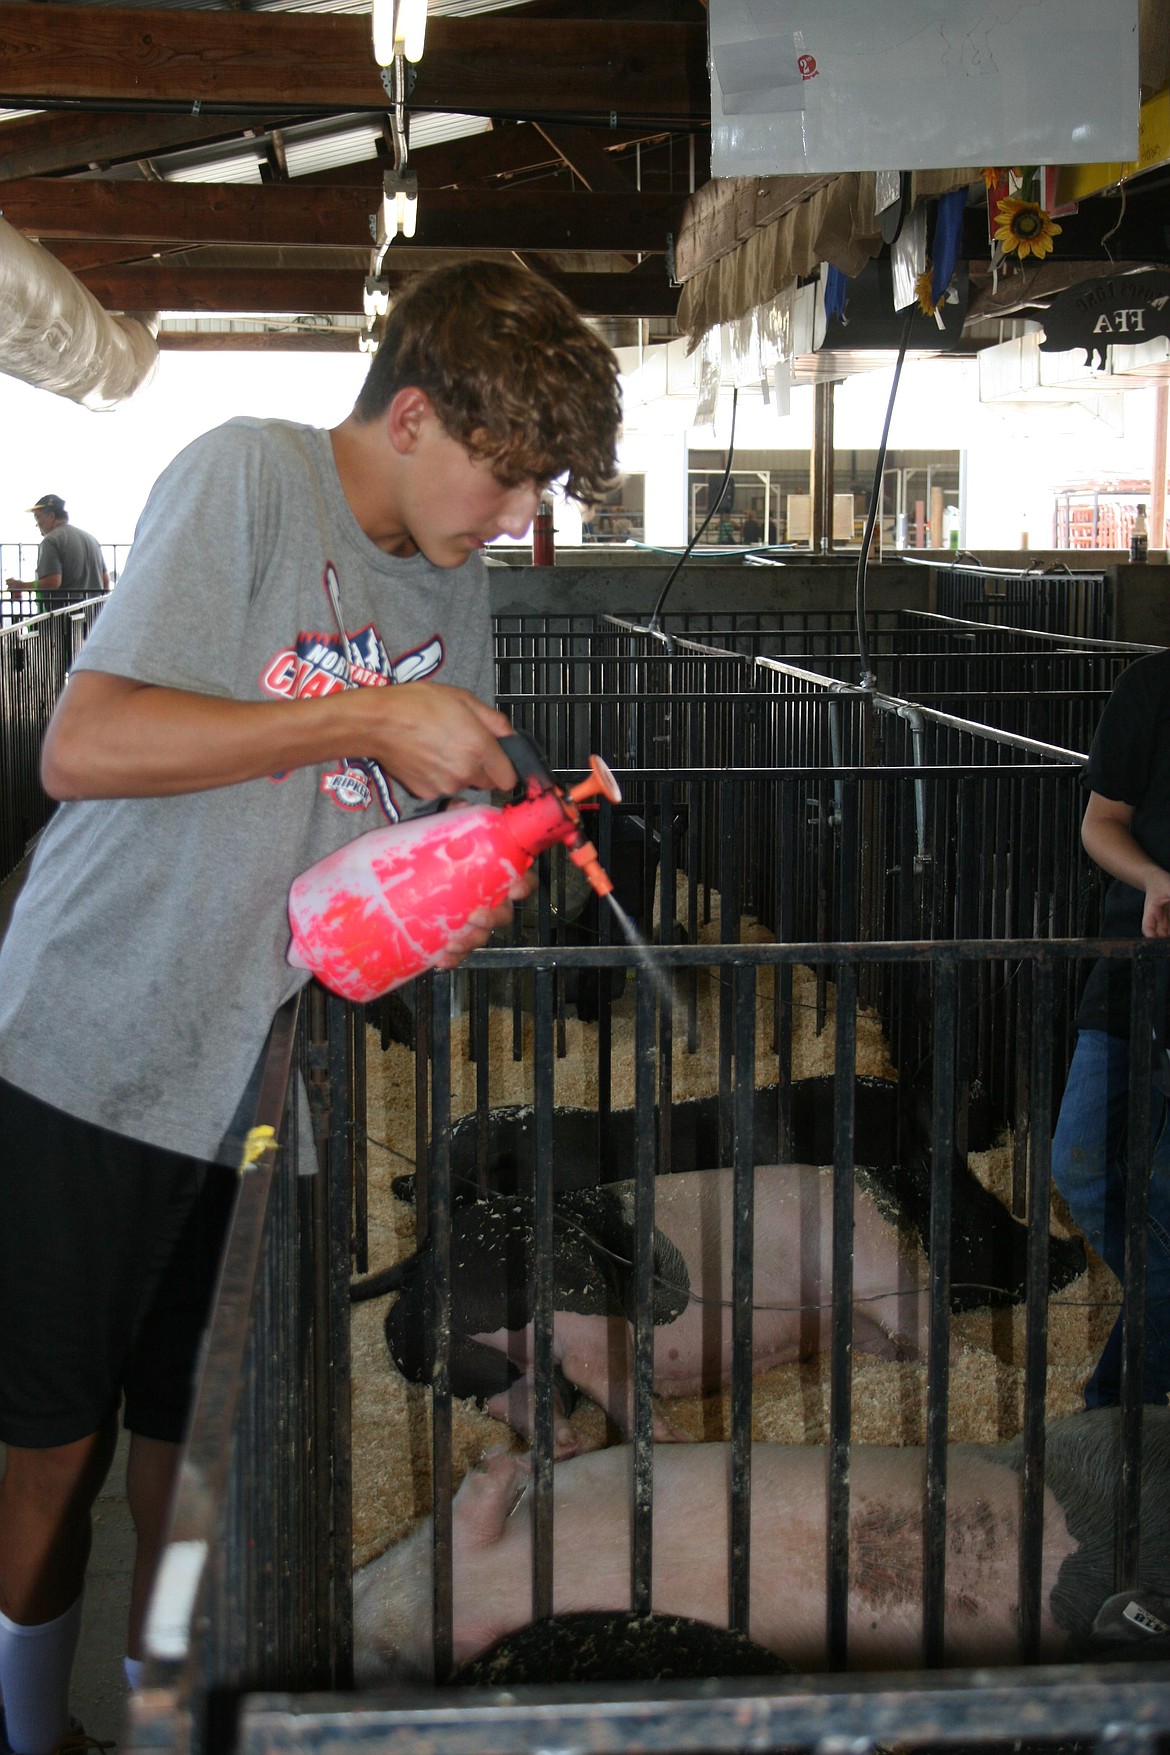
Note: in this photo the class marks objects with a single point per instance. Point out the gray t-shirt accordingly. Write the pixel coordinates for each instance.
(77, 556)
(146, 955)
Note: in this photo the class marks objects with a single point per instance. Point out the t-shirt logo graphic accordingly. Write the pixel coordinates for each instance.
(321, 664)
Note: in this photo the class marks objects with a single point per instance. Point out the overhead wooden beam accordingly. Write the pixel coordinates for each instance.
(157, 286)
(495, 63)
(233, 213)
(160, 286)
(299, 340)
(82, 254)
(56, 141)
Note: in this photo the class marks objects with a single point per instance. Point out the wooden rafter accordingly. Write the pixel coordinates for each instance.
(260, 63)
(208, 213)
(159, 286)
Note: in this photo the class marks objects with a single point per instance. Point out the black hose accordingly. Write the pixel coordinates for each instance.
(718, 501)
(867, 677)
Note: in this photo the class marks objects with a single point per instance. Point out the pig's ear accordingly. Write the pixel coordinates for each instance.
(489, 1494)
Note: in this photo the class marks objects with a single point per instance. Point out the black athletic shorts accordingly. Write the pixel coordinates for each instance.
(109, 1252)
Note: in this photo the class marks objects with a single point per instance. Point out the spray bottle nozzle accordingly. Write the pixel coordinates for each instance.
(533, 773)
(584, 854)
(532, 770)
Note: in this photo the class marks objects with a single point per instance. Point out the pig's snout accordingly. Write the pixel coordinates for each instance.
(489, 1494)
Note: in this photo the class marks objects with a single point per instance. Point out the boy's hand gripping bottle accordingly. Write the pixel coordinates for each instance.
(385, 907)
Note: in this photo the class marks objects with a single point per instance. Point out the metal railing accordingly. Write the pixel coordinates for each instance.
(941, 691)
(1056, 598)
(253, 1578)
(35, 656)
(253, 1587)
(18, 560)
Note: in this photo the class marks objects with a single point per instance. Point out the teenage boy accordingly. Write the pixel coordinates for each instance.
(298, 651)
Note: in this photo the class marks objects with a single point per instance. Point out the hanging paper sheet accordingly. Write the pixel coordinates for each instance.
(804, 86)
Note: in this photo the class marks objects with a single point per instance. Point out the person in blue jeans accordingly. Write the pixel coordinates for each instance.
(1126, 830)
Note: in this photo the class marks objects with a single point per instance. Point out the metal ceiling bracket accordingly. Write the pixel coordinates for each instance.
(410, 80)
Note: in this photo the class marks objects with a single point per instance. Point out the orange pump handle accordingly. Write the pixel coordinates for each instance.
(599, 781)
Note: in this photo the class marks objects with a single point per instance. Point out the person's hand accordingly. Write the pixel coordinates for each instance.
(434, 739)
(15, 586)
(1156, 910)
(482, 922)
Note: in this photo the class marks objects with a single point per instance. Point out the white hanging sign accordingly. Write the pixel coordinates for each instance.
(813, 86)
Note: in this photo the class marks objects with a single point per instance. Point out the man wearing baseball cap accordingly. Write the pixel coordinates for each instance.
(69, 560)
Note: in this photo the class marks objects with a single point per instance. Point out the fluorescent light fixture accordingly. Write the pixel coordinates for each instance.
(399, 214)
(399, 28)
(375, 297)
(316, 150)
(239, 168)
(432, 127)
(399, 203)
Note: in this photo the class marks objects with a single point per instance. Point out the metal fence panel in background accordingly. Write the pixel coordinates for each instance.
(35, 656)
(1057, 599)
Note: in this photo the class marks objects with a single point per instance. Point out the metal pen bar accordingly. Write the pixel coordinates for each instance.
(729, 811)
(542, 1301)
(481, 1024)
(439, 1208)
(359, 1148)
(938, 1355)
(985, 1709)
(1039, 1198)
(202, 1488)
(423, 998)
(332, 1196)
(841, 1343)
(645, 1163)
(667, 908)
(742, 1296)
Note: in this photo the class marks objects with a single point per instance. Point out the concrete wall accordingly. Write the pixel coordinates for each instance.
(1143, 603)
(599, 581)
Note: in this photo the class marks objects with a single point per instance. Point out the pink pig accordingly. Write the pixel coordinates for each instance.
(592, 1493)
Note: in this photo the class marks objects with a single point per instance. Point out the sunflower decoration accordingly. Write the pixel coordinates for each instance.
(1024, 227)
(993, 175)
(924, 287)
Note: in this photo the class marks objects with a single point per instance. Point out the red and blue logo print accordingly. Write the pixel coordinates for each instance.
(321, 664)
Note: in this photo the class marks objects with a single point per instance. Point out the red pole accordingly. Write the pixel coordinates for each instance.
(543, 552)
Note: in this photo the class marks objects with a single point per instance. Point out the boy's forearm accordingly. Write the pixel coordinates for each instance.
(112, 737)
(130, 740)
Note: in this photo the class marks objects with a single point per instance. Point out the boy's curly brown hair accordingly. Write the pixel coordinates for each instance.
(512, 369)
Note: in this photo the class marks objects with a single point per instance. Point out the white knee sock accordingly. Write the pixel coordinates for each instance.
(35, 1664)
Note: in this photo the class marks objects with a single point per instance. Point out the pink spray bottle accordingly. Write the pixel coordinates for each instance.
(381, 910)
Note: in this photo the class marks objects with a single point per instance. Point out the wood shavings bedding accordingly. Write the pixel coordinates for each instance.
(391, 1418)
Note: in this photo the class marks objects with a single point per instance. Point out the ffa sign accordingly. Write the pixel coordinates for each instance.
(1125, 308)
